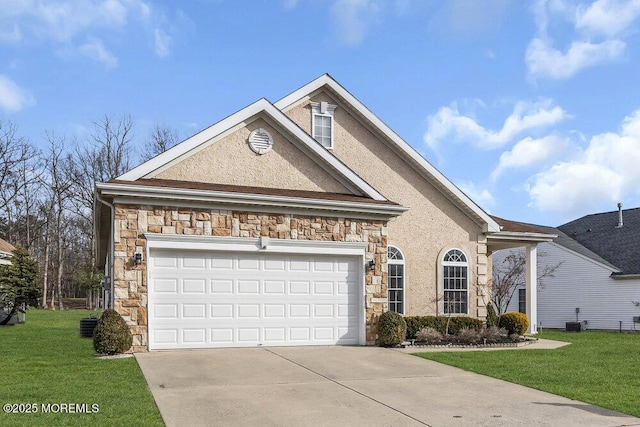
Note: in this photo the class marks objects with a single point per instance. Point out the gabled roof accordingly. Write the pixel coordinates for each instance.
(261, 108)
(559, 238)
(6, 246)
(599, 233)
(413, 158)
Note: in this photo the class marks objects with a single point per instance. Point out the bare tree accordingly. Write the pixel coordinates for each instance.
(161, 138)
(15, 152)
(59, 196)
(106, 155)
(510, 276)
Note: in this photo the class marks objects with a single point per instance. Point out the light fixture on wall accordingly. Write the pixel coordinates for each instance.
(137, 258)
(371, 265)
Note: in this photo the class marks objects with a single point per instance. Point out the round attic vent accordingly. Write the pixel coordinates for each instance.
(260, 141)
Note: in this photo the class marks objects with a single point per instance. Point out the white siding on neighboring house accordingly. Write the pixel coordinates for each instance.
(580, 282)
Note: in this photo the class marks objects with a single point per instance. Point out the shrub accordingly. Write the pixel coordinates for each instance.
(392, 329)
(493, 334)
(514, 322)
(416, 323)
(468, 336)
(492, 317)
(439, 323)
(111, 335)
(458, 323)
(429, 336)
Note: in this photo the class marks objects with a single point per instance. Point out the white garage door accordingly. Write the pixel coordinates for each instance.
(201, 299)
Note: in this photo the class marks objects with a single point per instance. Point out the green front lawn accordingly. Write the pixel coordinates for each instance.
(601, 368)
(45, 362)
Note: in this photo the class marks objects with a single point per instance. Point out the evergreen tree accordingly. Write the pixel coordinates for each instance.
(18, 283)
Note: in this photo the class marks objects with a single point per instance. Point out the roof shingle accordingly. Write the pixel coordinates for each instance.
(600, 233)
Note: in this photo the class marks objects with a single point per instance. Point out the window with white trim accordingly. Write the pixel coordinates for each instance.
(522, 301)
(322, 123)
(395, 279)
(456, 282)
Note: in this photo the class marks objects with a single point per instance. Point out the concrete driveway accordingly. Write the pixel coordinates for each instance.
(369, 386)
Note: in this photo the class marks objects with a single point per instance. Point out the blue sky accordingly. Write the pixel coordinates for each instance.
(532, 108)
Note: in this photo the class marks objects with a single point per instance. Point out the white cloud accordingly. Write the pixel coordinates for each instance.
(95, 50)
(543, 60)
(602, 174)
(12, 97)
(595, 33)
(64, 22)
(530, 152)
(162, 42)
(607, 17)
(481, 196)
(352, 19)
(448, 123)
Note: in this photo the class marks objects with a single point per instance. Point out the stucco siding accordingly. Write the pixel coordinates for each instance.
(433, 222)
(231, 161)
(581, 283)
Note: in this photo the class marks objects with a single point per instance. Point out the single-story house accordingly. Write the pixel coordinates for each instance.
(291, 223)
(6, 252)
(597, 280)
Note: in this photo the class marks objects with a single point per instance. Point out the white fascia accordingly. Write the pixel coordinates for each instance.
(301, 94)
(524, 238)
(127, 193)
(248, 244)
(147, 169)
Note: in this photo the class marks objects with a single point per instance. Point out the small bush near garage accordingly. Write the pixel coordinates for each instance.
(440, 323)
(514, 322)
(112, 335)
(392, 329)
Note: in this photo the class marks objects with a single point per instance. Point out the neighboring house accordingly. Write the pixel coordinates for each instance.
(291, 223)
(6, 252)
(598, 278)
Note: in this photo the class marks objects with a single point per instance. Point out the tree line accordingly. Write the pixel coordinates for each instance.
(46, 198)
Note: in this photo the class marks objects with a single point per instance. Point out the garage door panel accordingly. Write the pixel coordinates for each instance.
(222, 286)
(166, 286)
(191, 286)
(249, 335)
(274, 311)
(248, 262)
(193, 261)
(194, 311)
(221, 311)
(274, 287)
(299, 287)
(194, 336)
(213, 299)
(221, 336)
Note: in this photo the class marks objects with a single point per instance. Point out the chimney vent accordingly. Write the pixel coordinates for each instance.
(620, 223)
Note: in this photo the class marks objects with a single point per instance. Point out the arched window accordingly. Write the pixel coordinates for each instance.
(395, 279)
(456, 282)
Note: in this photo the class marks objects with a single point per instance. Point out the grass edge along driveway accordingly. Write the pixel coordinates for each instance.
(600, 368)
(47, 365)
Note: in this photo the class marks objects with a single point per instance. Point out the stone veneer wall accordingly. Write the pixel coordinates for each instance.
(131, 222)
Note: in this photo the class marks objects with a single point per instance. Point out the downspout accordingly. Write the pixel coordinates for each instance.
(111, 247)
